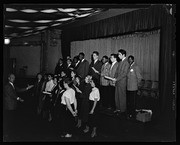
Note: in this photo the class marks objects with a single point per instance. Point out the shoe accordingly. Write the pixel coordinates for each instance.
(68, 135)
(93, 134)
(86, 130)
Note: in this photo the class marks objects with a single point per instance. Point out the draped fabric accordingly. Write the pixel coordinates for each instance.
(143, 46)
(157, 16)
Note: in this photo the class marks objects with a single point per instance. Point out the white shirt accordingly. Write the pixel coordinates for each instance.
(94, 94)
(113, 64)
(49, 85)
(12, 84)
(77, 63)
(70, 93)
(95, 61)
(82, 60)
(123, 58)
(132, 64)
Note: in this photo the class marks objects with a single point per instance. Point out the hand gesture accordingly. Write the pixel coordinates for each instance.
(29, 86)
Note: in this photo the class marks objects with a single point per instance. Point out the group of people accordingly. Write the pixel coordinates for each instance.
(75, 92)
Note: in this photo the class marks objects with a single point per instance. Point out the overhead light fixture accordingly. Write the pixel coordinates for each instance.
(70, 14)
(63, 19)
(29, 11)
(49, 11)
(13, 34)
(28, 31)
(83, 15)
(85, 9)
(67, 10)
(43, 21)
(24, 27)
(7, 26)
(6, 41)
(10, 10)
(41, 27)
(18, 21)
(56, 24)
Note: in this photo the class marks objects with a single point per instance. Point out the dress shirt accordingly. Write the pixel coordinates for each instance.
(70, 93)
(94, 94)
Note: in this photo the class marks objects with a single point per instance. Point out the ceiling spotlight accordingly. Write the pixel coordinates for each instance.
(67, 10)
(63, 19)
(10, 10)
(29, 11)
(43, 21)
(6, 41)
(85, 9)
(49, 11)
(19, 21)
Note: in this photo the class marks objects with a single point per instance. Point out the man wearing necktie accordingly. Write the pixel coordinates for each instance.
(10, 102)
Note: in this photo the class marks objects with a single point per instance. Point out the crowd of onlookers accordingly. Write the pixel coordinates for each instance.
(72, 96)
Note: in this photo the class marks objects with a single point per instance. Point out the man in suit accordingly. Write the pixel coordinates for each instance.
(76, 62)
(69, 67)
(10, 102)
(104, 82)
(121, 82)
(95, 67)
(112, 71)
(133, 79)
(83, 68)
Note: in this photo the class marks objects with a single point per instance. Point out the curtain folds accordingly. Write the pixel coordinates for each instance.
(143, 46)
(157, 16)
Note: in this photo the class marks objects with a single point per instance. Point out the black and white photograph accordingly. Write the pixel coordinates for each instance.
(89, 72)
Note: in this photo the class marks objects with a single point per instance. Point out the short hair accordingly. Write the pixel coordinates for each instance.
(81, 53)
(105, 56)
(69, 59)
(114, 55)
(95, 81)
(10, 74)
(132, 57)
(50, 75)
(67, 81)
(96, 52)
(122, 51)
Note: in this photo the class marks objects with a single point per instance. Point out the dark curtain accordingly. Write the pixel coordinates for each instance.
(156, 16)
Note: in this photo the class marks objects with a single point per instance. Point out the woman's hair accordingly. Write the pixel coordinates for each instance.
(95, 81)
(68, 81)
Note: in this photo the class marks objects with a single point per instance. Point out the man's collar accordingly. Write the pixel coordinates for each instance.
(123, 58)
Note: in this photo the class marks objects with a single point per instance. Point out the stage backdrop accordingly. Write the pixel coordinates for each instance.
(144, 46)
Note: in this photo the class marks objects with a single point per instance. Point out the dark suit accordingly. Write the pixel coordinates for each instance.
(82, 69)
(58, 69)
(97, 66)
(120, 85)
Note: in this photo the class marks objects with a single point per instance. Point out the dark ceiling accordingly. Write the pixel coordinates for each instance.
(27, 19)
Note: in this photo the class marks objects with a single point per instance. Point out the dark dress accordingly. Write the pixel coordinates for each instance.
(84, 111)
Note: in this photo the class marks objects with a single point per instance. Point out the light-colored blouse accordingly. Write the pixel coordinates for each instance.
(70, 93)
(94, 94)
(49, 86)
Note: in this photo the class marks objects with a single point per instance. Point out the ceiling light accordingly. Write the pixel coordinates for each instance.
(29, 11)
(43, 21)
(67, 10)
(13, 34)
(56, 24)
(49, 11)
(19, 21)
(28, 31)
(64, 19)
(24, 27)
(84, 15)
(41, 27)
(85, 9)
(6, 41)
(7, 26)
(70, 14)
(10, 10)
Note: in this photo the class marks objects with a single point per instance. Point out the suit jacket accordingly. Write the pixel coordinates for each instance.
(105, 71)
(133, 77)
(121, 72)
(58, 69)
(10, 96)
(97, 66)
(112, 72)
(82, 69)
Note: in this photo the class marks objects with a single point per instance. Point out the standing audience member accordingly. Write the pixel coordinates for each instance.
(59, 67)
(84, 111)
(133, 79)
(76, 62)
(10, 103)
(95, 67)
(112, 71)
(69, 68)
(83, 68)
(37, 92)
(69, 109)
(121, 82)
(104, 82)
(94, 97)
